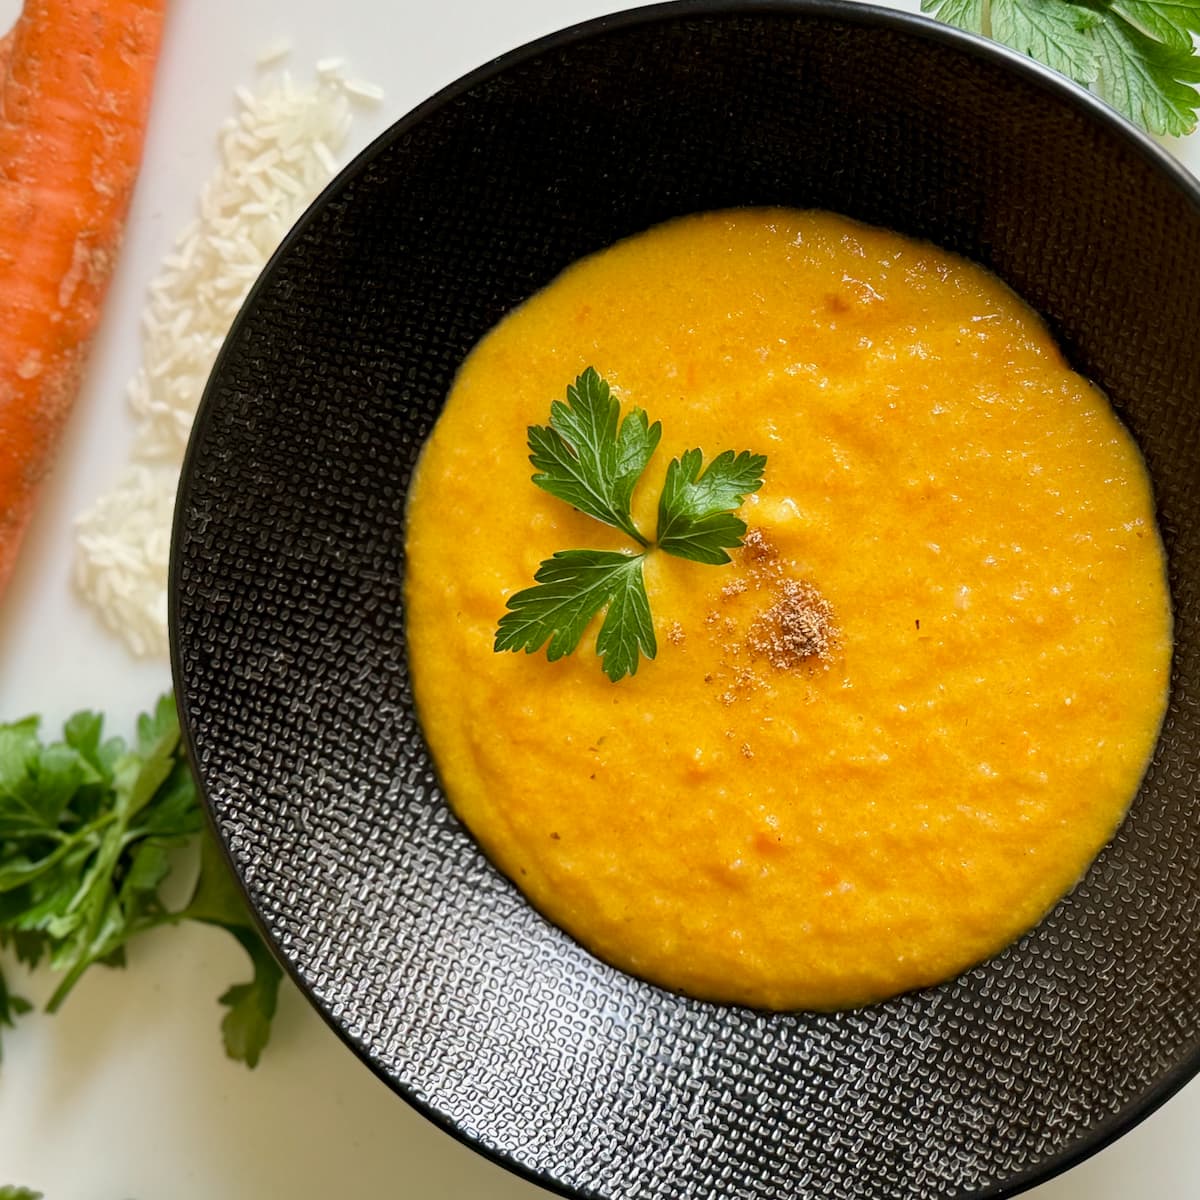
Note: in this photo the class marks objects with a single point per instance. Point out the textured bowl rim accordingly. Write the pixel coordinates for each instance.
(848, 12)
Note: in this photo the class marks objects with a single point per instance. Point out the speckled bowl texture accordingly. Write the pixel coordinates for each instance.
(288, 630)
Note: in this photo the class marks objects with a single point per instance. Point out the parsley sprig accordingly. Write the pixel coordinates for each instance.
(88, 831)
(592, 459)
(589, 457)
(1136, 54)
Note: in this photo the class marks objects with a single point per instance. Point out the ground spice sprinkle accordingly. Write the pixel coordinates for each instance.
(798, 627)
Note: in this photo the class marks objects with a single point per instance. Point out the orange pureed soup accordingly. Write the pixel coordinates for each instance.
(967, 520)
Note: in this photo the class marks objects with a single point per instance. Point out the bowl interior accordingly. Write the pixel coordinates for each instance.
(288, 621)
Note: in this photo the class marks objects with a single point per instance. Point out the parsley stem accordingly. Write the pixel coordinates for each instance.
(627, 526)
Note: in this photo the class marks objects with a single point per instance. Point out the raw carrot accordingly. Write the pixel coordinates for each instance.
(74, 99)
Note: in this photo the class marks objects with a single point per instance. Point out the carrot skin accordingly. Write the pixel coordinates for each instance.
(73, 107)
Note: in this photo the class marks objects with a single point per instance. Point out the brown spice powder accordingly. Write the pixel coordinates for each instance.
(759, 548)
(796, 630)
(799, 626)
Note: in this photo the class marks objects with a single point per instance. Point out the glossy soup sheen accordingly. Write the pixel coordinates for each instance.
(832, 831)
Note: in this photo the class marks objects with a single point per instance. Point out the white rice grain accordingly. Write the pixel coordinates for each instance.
(273, 51)
(360, 89)
(277, 152)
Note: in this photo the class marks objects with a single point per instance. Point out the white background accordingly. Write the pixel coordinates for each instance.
(125, 1094)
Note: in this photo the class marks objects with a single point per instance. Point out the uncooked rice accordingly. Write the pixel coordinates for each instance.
(276, 154)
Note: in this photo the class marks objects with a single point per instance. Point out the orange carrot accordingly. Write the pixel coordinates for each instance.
(73, 105)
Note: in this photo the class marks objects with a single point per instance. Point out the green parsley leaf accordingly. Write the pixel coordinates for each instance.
(1052, 31)
(89, 830)
(29, 947)
(971, 15)
(246, 1027)
(586, 459)
(10, 1006)
(217, 901)
(694, 520)
(965, 14)
(1138, 55)
(1149, 81)
(36, 781)
(1170, 21)
(19, 1193)
(570, 589)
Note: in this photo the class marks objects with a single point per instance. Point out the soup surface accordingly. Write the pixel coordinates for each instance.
(958, 526)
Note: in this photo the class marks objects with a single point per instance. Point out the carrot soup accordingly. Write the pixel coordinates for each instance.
(886, 738)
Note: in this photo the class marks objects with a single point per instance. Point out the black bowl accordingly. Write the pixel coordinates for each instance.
(288, 619)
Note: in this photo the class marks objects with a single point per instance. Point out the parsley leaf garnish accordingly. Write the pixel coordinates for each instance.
(1135, 54)
(695, 518)
(571, 588)
(88, 832)
(592, 459)
(589, 461)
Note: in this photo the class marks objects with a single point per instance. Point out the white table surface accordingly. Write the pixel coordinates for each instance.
(125, 1094)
